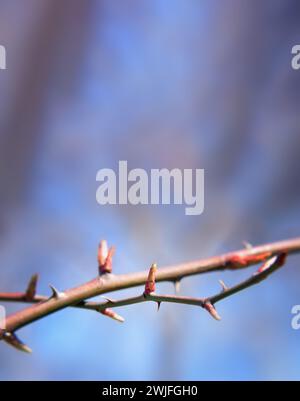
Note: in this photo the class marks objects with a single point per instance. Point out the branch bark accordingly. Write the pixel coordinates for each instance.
(108, 282)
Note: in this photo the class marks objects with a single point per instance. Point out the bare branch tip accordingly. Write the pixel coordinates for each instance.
(272, 256)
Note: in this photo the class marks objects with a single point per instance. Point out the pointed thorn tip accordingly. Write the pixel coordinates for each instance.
(223, 285)
(56, 294)
(247, 245)
(177, 286)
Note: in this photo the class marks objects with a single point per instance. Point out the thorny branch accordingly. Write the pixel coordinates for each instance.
(272, 256)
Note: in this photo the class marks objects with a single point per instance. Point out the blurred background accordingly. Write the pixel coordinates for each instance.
(172, 83)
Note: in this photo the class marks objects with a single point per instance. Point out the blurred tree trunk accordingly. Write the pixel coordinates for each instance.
(45, 34)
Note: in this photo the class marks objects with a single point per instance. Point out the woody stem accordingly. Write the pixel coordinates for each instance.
(108, 282)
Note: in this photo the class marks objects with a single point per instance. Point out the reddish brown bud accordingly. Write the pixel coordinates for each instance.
(14, 341)
(107, 268)
(102, 252)
(238, 261)
(211, 310)
(105, 256)
(150, 283)
(113, 315)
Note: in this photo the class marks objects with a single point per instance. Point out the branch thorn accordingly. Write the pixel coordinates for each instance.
(177, 284)
(57, 294)
(31, 288)
(108, 299)
(247, 245)
(223, 285)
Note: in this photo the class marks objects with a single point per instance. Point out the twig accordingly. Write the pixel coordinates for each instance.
(108, 282)
(149, 295)
(267, 269)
